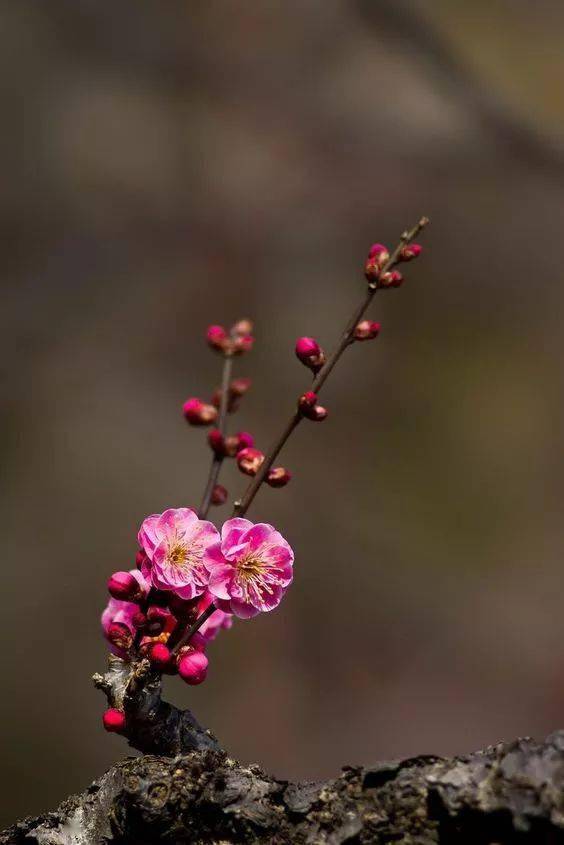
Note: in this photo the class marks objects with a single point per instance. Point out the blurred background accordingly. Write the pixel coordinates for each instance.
(170, 165)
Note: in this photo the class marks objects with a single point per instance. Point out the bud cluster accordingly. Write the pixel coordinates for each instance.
(377, 270)
(238, 340)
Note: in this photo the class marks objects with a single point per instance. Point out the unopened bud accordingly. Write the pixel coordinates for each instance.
(410, 251)
(216, 336)
(242, 343)
(307, 404)
(124, 586)
(236, 442)
(379, 253)
(310, 353)
(159, 619)
(239, 386)
(278, 477)
(197, 412)
(119, 635)
(216, 441)
(219, 495)
(249, 460)
(242, 327)
(159, 656)
(139, 620)
(192, 666)
(114, 720)
(366, 330)
(390, 279)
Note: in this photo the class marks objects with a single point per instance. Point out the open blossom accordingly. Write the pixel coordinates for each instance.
(218, 620)
(175, 543)
(120, 613)
(250, 568)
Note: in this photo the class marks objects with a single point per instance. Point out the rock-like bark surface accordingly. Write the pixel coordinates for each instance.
(509, 793)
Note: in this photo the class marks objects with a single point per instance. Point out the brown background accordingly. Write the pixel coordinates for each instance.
(168, 165)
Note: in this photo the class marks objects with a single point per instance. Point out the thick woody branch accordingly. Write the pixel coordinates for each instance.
(508, 793)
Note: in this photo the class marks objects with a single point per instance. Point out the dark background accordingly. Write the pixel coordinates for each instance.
(169, 165)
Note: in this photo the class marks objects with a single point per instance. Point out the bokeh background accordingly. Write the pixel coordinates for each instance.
(170, 165)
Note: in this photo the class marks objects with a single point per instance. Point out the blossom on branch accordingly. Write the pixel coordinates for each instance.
(250, 568)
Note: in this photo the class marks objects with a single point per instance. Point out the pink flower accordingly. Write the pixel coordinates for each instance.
(250, 569)
(218, 620)
(175, 543)
(119, 613)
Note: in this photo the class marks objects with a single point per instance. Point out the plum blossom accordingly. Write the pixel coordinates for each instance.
(175, 543)
(218, 620)
(118, 612)
(250, 568)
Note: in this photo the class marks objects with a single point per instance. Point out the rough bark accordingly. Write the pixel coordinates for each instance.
(509, 793)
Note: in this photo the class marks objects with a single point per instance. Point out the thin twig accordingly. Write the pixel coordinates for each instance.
(188, 634)
(244, 503)
(217, 460)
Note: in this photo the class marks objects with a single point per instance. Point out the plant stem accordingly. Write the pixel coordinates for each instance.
(242, 506)
(217, 460)
(244, 503)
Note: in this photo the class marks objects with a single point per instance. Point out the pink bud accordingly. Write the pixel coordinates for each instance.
(278, 477)
(114, 720)
(244, 440)
(411, 251)
(310, 353)
(249, 460)
(242, 327)
(159, 656)
(391, 279)
(119, 635)
(216, 441)
(219, 495)
(216, 336)
(198, 412)
(366, 330)
(379, 253)
(239, 386)
(242, 344)
(308, 407)
(193, 667)
(124, 586)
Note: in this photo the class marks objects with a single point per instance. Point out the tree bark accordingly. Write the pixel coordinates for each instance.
(508, 793)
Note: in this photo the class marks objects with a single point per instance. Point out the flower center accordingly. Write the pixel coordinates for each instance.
(249, 569)
(177, 554)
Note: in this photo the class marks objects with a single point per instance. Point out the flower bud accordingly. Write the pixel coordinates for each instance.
(307, 405)
(239, 386)
(216, 336)
(192, 666)
(242, 327)
(310, 353)
(278, 477)
(391, 279)
(249, 460)
(236, 442)
(124, 586)
(379, 253)
(216, 441)
(159, 619)
(242, 343)
(159, 656)
(140, 559)
(197, 412)
(366, 330)
(219, 495)
(114, 720)
(119, 635)
(410, 251)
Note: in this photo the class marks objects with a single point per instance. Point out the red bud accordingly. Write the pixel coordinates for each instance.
(411, 251)
(119, 635)
(239, 386)
(197, 412)
(219, 495)
(242, 344)
(193, 666)
(278, 477)
(114, 720)
(160, 656)
(391, 279)
(124, 586)
(216, 336)
(216, 441)
(310, 353)
(242, 327)
(366, 330)
(249, 460)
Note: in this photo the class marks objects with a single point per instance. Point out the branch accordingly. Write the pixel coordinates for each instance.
(217, 460)
(508, 793)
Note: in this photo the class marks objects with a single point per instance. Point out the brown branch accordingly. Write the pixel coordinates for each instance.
(508, 793)
(217, 460)
(242, 506)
